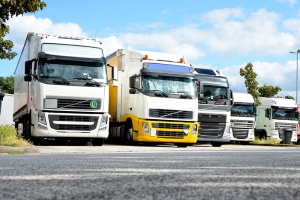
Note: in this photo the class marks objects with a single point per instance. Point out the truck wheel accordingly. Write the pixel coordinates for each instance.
(128, 133)
(97, 141)
(245, 142)
(36, 141)
(182, 145)
(262, 136)
(216, 144)
(27, 128)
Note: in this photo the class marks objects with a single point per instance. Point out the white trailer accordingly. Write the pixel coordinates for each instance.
(274, 116)
(155, 100)
(214, 105)
(61, 89)
(242, 119)
(6, 117)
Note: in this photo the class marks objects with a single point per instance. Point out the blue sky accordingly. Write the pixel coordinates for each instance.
(224, 35)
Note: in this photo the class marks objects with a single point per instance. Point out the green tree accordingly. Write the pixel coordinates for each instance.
(288, 97)
(8, 9)
(268, 90)
(7, 84)
(250, 81)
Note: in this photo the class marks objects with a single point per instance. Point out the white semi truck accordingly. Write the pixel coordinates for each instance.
(242, 120)
(274, 117)
(6, 116)
(61, 89)
(215, 102)
(155, 100)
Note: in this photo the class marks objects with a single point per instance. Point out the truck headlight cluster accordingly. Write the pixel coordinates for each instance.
(186, 128)
(195, 129)
(145, 127)
(42, 118)
(104, 120)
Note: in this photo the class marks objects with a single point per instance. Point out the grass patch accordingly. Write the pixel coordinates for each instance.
(263, 141)
(9, 137)
(16, 152)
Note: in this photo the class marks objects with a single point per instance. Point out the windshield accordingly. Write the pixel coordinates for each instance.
(73, 70)
(284, 114)
(169, 85)
(243, 110)
(215, 93)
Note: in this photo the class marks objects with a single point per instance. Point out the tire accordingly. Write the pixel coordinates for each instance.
(27, 128)
(36, 141)
(97, 141)
(181, 145)
(216, 144)
(262, 136)
(245, 142)
(128, 133)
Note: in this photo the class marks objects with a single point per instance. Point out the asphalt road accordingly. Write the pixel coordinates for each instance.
(165, 172)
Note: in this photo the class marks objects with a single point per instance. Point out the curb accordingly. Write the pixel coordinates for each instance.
(25, 149)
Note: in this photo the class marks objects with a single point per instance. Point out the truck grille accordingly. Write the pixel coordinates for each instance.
(169, 114)
(211, 126)
(240, 133)
(240, 128)
(211, 130)
(242, 124)
(164, 131)
(78, 103)
(282, 126)
(69, 122)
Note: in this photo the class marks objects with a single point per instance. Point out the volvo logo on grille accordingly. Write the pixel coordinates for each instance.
(93, 104)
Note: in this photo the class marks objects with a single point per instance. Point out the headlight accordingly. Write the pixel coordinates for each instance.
(186, 128)
(145, 127)
(194, 131)
(104, 120)
(42, 118)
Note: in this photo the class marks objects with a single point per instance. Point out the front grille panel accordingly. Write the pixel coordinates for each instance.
(211, 118)
(165, 132)
(242, 124)
(170, 134)
(211, 130)
(240, 133)
(78, 104)
(211, 126)
(171, 114)
(69, 124)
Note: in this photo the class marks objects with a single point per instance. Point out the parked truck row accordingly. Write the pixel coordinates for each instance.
(67, 89)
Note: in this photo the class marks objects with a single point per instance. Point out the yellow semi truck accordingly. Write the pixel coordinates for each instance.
(154, 99)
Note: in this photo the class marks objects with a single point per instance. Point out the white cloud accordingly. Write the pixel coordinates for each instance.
(226, 32)
(290, 2)
(274, 74)
(256, 34)
(21, 25)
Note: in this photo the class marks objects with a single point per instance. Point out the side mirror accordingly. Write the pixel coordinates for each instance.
(114, 73)
(231, 98)
(267, 113)
(28, 66)
(132, 80)
(132, 91)
(27, 78)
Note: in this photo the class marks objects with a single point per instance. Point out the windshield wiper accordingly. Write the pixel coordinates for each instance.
(186, 96)
(91, 82)
(160, 93)
(61, 81)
